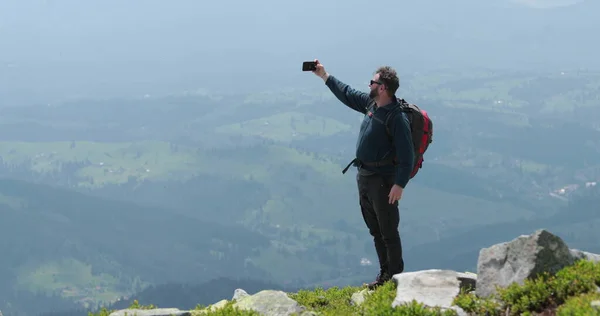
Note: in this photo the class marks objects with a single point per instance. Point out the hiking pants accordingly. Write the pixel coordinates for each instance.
(382, 220)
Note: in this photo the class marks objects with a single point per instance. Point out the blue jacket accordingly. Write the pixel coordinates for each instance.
(373, 143)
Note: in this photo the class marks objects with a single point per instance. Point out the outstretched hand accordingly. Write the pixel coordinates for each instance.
(320, 71)
(395, 194)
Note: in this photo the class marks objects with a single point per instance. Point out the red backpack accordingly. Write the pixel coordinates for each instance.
(421, 127)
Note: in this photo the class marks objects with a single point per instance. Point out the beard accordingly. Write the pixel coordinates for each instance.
(374, 93)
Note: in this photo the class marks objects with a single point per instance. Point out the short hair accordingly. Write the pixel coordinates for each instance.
(389, 77)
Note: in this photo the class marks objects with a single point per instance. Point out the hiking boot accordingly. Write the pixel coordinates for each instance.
(379, 281)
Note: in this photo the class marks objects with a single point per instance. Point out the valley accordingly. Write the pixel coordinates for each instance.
(101, 198)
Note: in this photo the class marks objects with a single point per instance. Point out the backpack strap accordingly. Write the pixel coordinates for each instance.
(400, 107)
(390, 115)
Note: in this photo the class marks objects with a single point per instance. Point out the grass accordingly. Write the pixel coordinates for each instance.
(109, 163)
(571, 291)
(114, 163)
(72, 279)
(286, 126)
(568, 292)
(294, 178)
(330, 302)
(337, 301)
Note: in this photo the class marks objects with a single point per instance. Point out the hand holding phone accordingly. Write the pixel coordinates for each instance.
(316, 67)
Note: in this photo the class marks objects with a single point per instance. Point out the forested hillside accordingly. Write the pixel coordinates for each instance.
(103, 197)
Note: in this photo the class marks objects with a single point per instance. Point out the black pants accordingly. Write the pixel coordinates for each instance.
(382, 219)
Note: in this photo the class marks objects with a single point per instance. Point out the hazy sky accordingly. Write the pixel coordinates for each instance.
(52, 49)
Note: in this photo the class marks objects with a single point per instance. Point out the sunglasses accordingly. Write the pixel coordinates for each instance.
(375, 82)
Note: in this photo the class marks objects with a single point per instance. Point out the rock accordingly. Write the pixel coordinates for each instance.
(578, 255)
(270, 302)
(239, 294)
(217, 305)
(524, 257)
(359, 297)
(595, 305)
(151, 312)
(432, 287)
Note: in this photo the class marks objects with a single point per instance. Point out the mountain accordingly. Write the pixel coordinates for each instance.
(90, 249)
(180, 183)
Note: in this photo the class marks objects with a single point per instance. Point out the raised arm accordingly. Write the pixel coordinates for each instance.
(404, 148)
(354, 99)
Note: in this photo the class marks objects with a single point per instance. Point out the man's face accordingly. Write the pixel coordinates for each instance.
(375, 86)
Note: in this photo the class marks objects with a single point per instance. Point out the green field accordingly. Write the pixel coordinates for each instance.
(285, 127)
(72, 279)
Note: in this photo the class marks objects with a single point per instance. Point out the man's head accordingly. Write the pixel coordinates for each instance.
(385, 82)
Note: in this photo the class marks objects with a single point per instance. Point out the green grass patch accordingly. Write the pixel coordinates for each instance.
(567, 292)
(114, 163)
(71, 279)
(330, 302)
(286, 126)
(580, 306)
(105, 162)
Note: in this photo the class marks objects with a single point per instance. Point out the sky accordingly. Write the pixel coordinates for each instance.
(60, 49)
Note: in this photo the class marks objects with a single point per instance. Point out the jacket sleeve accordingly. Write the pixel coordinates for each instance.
(354, 99)
(404, 148)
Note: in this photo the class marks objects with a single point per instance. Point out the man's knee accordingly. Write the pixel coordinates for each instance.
(390, 236)
(388, 226)
(375, 232)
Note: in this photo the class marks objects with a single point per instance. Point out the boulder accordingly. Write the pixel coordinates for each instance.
(432, 287)
(238, 294)
(270, 302)
(218, 305)
(578, 255)
(525, 257)
(151, 312)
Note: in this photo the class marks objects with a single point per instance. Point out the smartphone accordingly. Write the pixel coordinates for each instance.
(309, 66)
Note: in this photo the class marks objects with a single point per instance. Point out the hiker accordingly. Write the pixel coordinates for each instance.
(380, 185)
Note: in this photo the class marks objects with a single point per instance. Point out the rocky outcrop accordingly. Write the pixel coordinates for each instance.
(266, 302)
(269, 302)
(432, 287)
(578, 254)
(522, 258)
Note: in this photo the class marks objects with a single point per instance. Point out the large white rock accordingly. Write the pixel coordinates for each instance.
(432, 287)
(271, 303)
(525, 257)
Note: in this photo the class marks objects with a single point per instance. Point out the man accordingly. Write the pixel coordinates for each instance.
(380, 187)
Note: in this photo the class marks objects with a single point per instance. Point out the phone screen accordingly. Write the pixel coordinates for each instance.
(309, 66)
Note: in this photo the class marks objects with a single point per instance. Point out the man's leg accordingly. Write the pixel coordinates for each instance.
(388, 217)
(368, 212)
